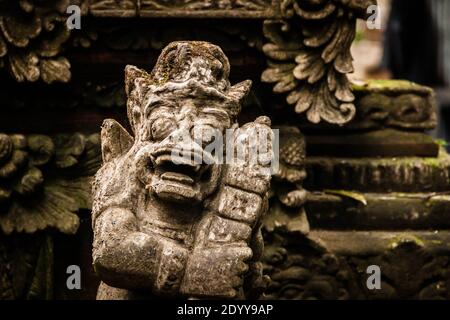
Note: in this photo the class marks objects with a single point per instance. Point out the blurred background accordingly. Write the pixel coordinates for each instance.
(413, 43)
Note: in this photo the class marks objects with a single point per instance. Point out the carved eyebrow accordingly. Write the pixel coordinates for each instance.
(153, 103)
(158, 102)
(221, 114)
(162, 111)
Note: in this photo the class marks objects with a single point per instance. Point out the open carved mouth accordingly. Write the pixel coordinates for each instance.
(181, 170)
(180, 175)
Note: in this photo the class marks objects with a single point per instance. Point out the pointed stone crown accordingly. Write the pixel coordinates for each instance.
(189, 68)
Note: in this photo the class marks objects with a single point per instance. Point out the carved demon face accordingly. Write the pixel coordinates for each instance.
(177, 111)
(172, 161)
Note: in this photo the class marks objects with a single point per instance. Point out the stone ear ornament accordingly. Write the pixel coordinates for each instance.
(173, 227)
(240, 90)
(132, 75)
(116, 141)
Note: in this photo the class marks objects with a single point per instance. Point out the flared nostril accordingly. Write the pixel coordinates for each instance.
(150, 164)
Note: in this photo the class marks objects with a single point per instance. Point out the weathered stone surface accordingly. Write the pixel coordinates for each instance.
(382, 104)
(287, 198)
(247, 177)
(380, 143)
(355, 210)
(391, 121)
(390, 212)
(394, 104)
(176, 8)
(403, 174)
(333, 265)
(372, 242)
(239, 205)
(226, 230)
(26, 266)
(164, 224)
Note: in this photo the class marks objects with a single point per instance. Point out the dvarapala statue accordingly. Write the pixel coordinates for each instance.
(165, 224)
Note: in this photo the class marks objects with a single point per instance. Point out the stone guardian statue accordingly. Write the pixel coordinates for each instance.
(169, 219)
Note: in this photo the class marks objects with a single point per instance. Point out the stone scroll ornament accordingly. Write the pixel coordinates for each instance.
(309, 56)
(170, 227)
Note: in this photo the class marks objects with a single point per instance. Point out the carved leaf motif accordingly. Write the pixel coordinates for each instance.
(68, 149)
(55, 70)
(3, 47)
(39, 169)
(20, 30)
(50, 47)
(24, 67)
(302, 269)
(41, 148)
(30, 32)
(31, 180)
(411, 270)
(309, 57)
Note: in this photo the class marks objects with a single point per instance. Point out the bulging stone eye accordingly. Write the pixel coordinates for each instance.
(162, 127)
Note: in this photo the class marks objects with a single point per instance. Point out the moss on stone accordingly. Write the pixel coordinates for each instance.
(432, 162)
(390, 86)
(398, 240)
(441, 142)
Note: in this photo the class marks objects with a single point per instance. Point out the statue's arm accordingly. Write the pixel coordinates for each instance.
(125, 258)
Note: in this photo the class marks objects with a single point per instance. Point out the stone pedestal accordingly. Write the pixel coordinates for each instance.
(383, 203)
